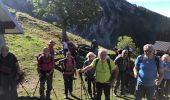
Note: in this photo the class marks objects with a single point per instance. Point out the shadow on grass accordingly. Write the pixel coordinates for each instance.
(125, 97)
(28, 98)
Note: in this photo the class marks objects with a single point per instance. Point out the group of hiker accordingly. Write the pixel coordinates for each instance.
(150, 74)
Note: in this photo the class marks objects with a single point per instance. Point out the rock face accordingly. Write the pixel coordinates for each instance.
(122, 18)
(119, 17)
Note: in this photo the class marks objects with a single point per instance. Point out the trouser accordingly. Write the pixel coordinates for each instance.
(144, 91)
(65, 51)
(120, 81)
(8, 87)
(68, 83)
(102, 87)
(165, 87)
(90, 82)
(43, 80)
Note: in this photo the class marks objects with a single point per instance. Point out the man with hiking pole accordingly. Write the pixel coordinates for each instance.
(105, 70)
(68, 69)
(9, 74)
(45, 69)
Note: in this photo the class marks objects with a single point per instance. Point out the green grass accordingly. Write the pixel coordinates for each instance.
(26, 46)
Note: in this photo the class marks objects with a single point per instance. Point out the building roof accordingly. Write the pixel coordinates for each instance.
(8, 22)
(162, 46)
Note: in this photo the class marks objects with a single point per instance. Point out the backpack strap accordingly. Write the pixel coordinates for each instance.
(108, 62)
(97, 60)
(157, 62)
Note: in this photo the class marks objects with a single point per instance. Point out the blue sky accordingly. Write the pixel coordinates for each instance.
(159, 6)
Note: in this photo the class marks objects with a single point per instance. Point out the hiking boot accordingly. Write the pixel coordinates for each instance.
(115, 93)
(42, 97)
(47, 98)
(65, 96)
(71, 94)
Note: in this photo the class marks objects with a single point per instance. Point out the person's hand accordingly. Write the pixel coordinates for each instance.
(38, 70)
(47, 74)
(157, 82)
(136, 75)
(79, 71)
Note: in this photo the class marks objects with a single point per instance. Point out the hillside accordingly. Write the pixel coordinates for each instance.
(36, 36)
(26, 46)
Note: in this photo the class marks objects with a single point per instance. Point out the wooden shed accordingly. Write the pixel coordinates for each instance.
(8, 24)
(162, 47)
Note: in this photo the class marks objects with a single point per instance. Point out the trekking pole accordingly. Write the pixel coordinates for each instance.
(84, 88)
(55, 93)
(36, 87)
(74, 84)
(24, 89)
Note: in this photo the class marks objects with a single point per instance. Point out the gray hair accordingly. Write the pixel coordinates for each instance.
(148, 46)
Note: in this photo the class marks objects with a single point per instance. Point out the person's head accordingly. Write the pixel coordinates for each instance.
(4, 51)
(148, 50)
(90, 56)
(165, 58)
(119, 51)
(125, 53)
(102, 54)
(52, 42)
(68, 54)
(46, 51)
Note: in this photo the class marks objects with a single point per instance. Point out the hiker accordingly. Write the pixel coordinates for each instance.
(149, 72)
(118, 52)
(123, 63)
(45, 70)
(72, 48)
(68, 68)
(9, 73)
(94, 46)
(51, 47)
(104, 73)
(90, 74)
(165, 85)
(65, 46)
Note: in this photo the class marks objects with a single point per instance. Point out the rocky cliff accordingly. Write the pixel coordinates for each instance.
(122, 18)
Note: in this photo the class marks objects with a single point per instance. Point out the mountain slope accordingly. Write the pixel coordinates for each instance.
(36, 36)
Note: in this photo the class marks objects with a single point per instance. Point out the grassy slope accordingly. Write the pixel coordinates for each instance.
(26, 46)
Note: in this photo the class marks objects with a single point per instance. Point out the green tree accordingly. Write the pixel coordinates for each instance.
(69, 12)
(124, 41)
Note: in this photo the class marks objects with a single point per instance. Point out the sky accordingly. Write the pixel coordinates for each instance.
(159, 6)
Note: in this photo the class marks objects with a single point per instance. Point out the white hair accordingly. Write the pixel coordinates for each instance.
(148, 46)
(90, 54)
(166, 56)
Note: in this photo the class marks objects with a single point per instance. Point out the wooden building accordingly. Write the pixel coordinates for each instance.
(8, 24)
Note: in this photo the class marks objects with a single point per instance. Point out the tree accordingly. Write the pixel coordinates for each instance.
(69, 12)
(124, 41)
